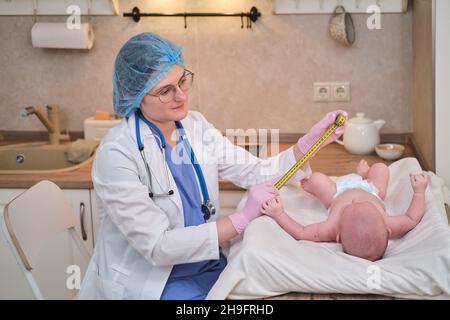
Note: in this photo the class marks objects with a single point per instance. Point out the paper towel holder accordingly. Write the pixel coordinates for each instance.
(80, 35)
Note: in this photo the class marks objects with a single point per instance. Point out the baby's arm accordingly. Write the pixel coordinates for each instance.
(401, 225)
(318, 232)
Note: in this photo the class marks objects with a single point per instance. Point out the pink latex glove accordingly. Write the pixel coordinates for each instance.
(252, 209)
(317, 130)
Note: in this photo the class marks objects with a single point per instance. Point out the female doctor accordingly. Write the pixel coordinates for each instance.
(156, 180)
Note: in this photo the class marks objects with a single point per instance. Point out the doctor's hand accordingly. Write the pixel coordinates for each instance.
(317, 130)
(252, 209)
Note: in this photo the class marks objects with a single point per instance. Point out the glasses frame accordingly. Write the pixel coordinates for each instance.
(186, 72)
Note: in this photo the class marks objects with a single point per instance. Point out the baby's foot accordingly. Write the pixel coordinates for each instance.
(306, 185)
(363, 168)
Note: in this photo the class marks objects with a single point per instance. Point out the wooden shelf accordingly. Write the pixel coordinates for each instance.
(52, 7)
(327, 6)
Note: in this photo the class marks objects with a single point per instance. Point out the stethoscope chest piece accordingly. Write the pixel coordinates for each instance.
(208, 209)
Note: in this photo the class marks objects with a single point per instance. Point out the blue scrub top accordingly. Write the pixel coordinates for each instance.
(189, 281)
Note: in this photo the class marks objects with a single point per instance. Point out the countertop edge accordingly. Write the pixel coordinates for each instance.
(81, 178)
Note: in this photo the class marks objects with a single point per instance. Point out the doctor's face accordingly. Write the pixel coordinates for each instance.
(167, 100)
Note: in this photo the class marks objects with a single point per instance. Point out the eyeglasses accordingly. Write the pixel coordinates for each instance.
(167, 93)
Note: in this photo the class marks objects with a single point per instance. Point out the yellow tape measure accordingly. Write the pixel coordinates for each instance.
(340, 120)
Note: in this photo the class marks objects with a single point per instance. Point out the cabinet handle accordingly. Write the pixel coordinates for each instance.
(83, 230)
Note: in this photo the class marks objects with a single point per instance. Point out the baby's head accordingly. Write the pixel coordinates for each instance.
(362, 231)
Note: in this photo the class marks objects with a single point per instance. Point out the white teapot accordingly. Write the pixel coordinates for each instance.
(361, 135)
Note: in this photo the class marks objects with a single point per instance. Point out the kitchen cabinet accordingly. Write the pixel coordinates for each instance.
(327, 6)
(60, 7)
(50, 272)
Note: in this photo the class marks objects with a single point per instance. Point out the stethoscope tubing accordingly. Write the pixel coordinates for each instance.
(162, 145)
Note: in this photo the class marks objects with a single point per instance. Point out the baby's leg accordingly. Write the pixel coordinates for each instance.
(379, 176)
(321, 186)
(362, 168)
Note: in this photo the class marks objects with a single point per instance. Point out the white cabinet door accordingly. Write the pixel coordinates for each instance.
(80, 200)
(229, 199)
(62, 258)
(55, 260)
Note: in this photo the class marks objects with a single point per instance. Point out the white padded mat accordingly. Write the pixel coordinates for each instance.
(269, 262)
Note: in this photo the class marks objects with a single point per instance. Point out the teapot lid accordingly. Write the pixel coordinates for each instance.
(360, 119)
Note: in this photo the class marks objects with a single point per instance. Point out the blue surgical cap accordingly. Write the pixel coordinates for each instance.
(141, 63)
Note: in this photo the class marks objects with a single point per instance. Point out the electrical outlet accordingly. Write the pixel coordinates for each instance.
(322, 91)
(331, 91)
(340, 91)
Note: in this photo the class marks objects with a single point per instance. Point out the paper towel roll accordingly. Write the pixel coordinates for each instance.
(58, 35)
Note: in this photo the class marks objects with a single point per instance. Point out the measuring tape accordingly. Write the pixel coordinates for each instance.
(337, 123)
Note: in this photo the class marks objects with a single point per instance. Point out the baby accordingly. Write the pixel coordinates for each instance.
(357, 218)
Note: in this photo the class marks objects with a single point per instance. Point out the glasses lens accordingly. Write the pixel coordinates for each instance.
(186, 82)
(167, 96)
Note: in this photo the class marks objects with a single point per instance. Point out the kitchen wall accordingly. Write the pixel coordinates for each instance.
(258, 78)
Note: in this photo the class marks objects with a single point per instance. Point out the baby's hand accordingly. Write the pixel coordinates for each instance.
(419, 182)
(272, 207)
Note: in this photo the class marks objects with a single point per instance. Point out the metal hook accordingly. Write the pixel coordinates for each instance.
(35, 10)
(321, 4)
(185, 21)
(89, 13)
(242, 20)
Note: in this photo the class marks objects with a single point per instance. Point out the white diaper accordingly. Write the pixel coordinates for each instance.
(354, 181)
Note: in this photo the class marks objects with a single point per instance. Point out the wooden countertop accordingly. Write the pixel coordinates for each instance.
(334, 160)
(331, 160)
(77, 179)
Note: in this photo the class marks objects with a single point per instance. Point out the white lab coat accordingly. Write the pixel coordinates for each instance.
(140, 239)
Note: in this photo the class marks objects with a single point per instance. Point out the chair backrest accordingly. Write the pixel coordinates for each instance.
(33, 218)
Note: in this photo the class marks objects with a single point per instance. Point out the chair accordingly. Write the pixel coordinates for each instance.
(34, 218)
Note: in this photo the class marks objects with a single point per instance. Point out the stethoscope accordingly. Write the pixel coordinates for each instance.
(207, 207)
